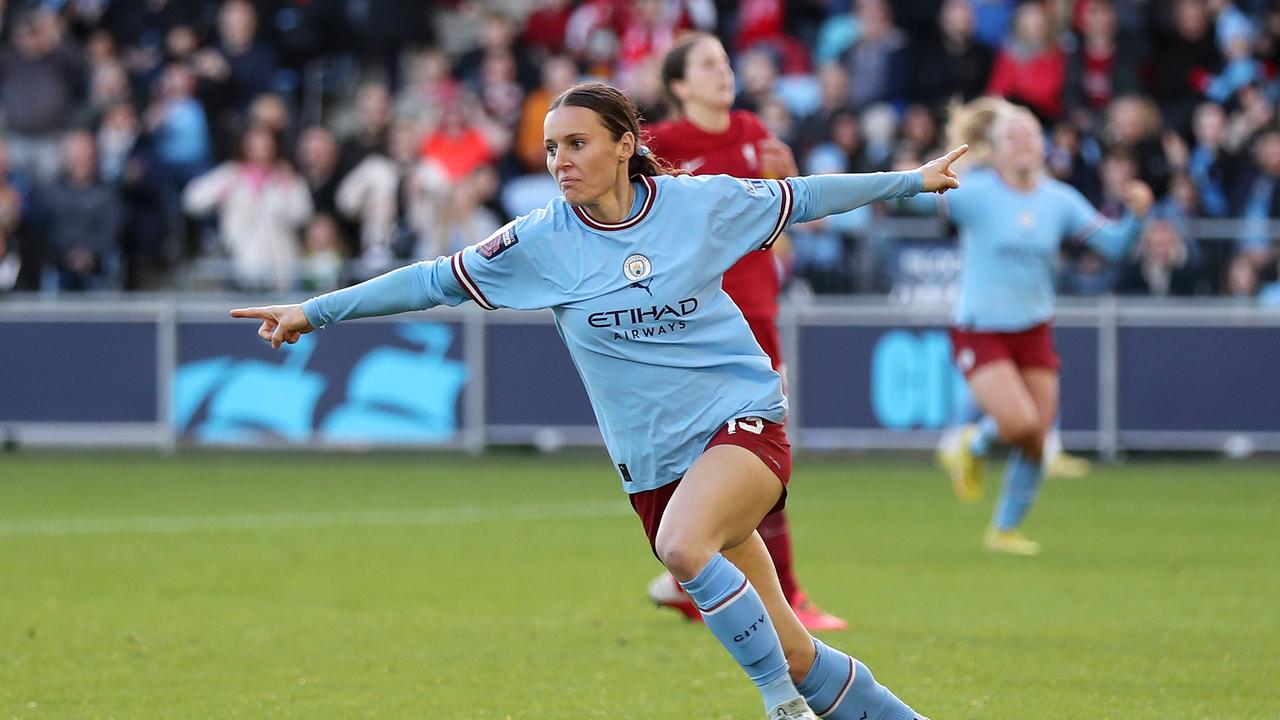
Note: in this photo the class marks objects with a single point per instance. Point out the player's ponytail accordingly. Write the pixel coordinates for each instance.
(619, 116)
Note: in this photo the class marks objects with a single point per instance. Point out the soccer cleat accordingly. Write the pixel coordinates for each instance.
(1010, 542)
(1066, 465)
(792, 710)
(665, 591)
(964, 467)
(815, 618)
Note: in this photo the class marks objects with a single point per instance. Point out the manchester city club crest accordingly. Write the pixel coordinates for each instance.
(637, 267)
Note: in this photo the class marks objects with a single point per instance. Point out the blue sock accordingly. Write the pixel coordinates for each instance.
(987, 433)
(736, 615)
(1021, 485)
(841, 688)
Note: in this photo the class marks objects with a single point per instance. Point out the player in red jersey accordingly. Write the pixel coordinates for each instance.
(708, 137)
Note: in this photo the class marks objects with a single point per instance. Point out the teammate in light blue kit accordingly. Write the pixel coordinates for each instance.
(630, 261)
(1012, 221)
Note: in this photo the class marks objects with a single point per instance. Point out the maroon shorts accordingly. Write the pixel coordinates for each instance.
(1030, 348)
(766, 332)
(766, 439)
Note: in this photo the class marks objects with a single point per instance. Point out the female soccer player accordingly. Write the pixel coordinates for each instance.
(710, 138)
(970, 124)
(1012, 219)
(630, 261)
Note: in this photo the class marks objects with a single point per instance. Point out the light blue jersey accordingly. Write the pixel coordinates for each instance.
(1009, 242)
(665, 355)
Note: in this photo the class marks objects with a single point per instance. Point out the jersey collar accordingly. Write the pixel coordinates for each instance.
(652, 194)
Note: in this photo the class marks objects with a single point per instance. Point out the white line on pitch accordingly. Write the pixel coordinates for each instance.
(286, 521)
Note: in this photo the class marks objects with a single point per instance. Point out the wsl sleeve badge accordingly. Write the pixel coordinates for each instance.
(498, 242)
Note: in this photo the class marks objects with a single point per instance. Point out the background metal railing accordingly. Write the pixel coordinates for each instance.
(168, 371)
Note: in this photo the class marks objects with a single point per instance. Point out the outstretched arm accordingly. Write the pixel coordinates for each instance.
(818, 196)
(416, 287)
(1114, 238)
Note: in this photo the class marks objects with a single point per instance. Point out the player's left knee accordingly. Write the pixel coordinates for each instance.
(683, 556)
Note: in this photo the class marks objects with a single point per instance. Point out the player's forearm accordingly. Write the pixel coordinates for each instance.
(817, 196)
(1114, 239)
(395, 292)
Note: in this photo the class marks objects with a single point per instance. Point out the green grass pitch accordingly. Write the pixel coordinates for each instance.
(512, 586)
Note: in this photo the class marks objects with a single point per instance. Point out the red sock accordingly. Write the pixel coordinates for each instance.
(776, 533)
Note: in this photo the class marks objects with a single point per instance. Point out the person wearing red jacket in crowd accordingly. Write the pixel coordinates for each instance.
(1031, 69)
(708, 137)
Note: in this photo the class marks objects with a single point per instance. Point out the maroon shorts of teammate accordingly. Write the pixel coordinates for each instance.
(1030, 348)
(766, 439)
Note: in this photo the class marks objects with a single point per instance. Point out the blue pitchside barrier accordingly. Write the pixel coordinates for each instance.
(162, 372)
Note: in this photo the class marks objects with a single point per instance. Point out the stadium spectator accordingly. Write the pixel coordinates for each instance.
(1242, 278)
(261, 203)
(42, 74)
(590, 36)
(250, 64)
(1030, 68)
(992, 19)
(759, 22)
(318, 165)
(370, 124)
(456, 214)
(1211, 165)
(1269, 293)
(499, 93)
(429, 86)
(879, 133)
(778, 119)
(918, 134)
(1186, 85)
(141, 26)
(757, 74)
(126, 158)
(108, 87)
(545, 27)
(464, 139)
(499, 35)
(1118, 168)
(845, 142)
(1240, 67)
(1187, 55)
(20, 258)
(957, 67)
(1165, 263)
(1256, 195)
(1104, 64)
(270, 110)
(1133, 122)
(558, 74)
(177, 122)
(85, 216)
(1255, 112)
(322, 254)
(878, 59)
(1066, 160)
(815, 128)
(384, 194)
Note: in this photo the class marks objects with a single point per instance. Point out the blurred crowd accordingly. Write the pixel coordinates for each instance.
(307, 144)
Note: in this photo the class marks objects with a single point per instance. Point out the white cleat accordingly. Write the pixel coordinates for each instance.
(792, 710)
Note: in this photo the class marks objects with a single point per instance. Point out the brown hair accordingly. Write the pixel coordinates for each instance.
(619, 116)
(675, 62)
